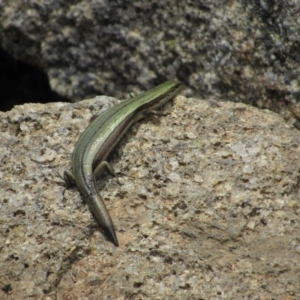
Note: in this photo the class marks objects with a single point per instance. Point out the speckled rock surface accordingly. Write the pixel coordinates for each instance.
(207, 206)
(243, 51)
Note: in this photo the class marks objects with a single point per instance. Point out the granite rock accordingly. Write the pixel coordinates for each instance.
(207, 206)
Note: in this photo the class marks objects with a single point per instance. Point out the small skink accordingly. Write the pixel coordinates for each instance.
(100, 138)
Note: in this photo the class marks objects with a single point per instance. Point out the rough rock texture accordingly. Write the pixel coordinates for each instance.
(207, 206)
(234, 50)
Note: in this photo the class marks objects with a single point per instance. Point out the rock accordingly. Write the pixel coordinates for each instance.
(207, 206)
(242, 51)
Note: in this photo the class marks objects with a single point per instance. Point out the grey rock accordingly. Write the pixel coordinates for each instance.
(242, 51)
